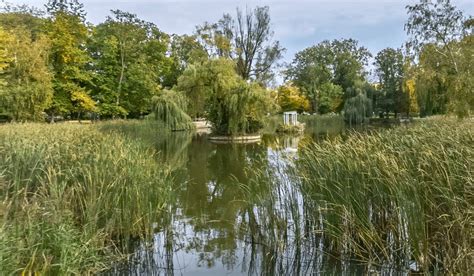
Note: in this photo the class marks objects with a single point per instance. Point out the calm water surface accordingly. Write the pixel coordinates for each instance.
(236, 211)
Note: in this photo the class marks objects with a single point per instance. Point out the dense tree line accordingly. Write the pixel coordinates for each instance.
(432, 74)
(54, 63)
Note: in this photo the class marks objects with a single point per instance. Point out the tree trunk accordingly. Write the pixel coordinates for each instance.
(122, 71)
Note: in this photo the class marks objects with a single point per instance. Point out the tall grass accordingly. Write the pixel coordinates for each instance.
(400, 197)
(72, 196)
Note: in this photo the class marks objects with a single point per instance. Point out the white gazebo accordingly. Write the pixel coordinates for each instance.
(290, 118)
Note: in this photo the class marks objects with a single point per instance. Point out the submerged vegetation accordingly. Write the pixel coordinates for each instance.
(400, 197)
(72, 196)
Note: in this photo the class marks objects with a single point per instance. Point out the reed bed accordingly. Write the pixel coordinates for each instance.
(73, 196)
(401, 197)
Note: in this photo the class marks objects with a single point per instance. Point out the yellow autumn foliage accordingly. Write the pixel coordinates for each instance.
(410, 90)
(290, 98)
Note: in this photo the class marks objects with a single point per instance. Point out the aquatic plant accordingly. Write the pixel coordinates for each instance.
(72, 197)
(396, 197)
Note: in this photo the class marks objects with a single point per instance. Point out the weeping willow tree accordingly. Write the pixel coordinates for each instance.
(169, 107)
(240, 110)
(357, 109)
(232, 105)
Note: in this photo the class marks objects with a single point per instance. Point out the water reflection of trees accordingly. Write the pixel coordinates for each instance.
(213, 199)
(236, 208)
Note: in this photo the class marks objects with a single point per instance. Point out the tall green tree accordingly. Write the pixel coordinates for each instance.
(439, 29)
(129, 63)
(27, 17)
(330, 97)
(195, 82)
(232, 105)
(170, 107)
(27, 89)
(389, 68)
(359, 107)
(340, 62)
(437, 23)
(185, 50)
(462, 87)
(247, 39)
(68, 34)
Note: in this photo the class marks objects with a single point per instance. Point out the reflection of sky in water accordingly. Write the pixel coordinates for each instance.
(193, 257)
(228, 220)
(205, 244)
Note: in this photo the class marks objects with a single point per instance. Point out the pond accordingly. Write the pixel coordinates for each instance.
(328, 201)
(237, 211)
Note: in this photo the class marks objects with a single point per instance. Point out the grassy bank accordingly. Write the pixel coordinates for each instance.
(402, 196)
(72, 196)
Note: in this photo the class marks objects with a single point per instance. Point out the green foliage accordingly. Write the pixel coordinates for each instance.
(232, 105)
(439, 87)
(290, 98)
(27, 81)
(410, 92)
(431, 82)
(240, 110)
(71, 7)
(23, 17)
(440, 37)
(205, 85)
(195, 83)
(82, 102)
(390, 71)
(169, 107)
(185, 50)
(246, 39)
(462, 85)
(434, 22)
(68, 191)
(340, 62)
(5, 56)
(129, 59)
(357, 109)
(67, 34)
(330, 97)
(110, 110)
(397, 195)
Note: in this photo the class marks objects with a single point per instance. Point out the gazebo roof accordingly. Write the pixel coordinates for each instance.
(290, 112)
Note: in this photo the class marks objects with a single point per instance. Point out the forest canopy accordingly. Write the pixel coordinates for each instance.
(54, 64)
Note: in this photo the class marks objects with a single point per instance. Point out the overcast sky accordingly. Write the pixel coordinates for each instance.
(298, 24)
